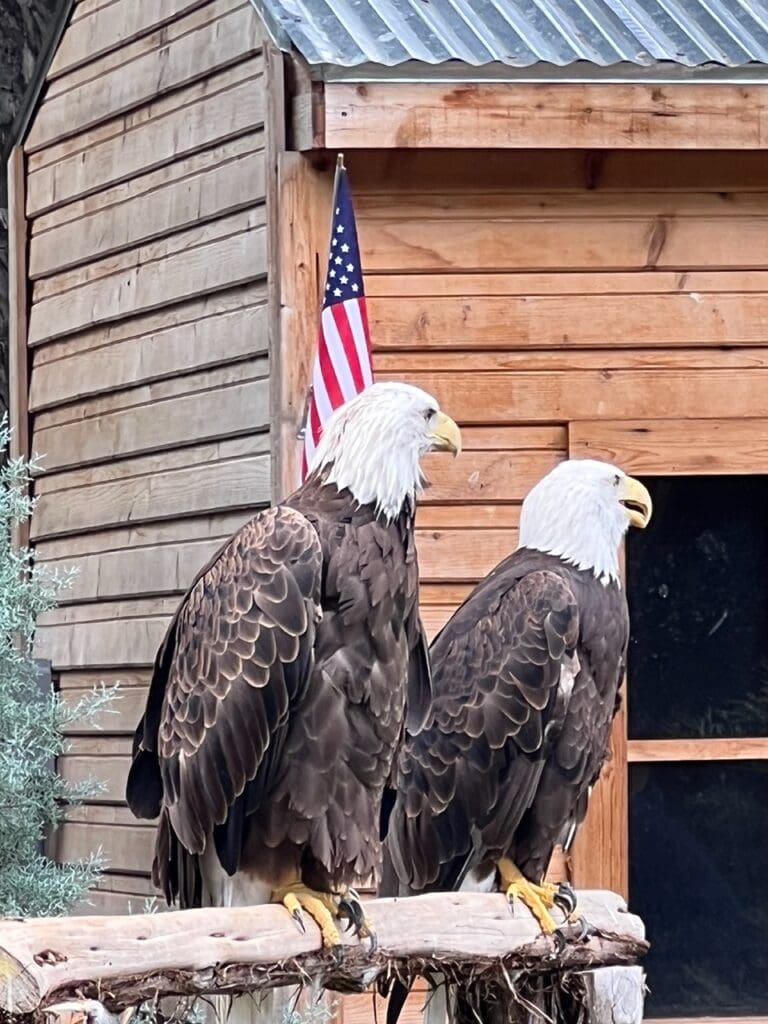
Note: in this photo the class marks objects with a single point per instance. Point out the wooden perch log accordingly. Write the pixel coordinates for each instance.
(122, 961)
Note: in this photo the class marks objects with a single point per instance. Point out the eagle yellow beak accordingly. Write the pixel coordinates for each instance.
(637, 501)
(445, 436)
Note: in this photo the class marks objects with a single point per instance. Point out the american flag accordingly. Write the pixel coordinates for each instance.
(343, 362)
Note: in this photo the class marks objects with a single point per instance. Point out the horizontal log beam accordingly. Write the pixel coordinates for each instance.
(122, 961)
(542, 115)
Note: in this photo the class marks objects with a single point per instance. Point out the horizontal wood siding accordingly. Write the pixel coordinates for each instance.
(607, 304)
(575, 307)
(148, 347)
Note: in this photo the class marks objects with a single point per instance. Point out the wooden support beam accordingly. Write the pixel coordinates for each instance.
(18, 357)
(303, 228)
(699, 749)
(307, 106)
(17, 341)
(122, 961)
(544, 115)
(600, 852)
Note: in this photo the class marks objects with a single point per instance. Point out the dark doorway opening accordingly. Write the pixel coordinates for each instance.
(697, 582)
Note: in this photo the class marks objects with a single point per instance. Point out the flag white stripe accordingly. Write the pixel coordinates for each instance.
(321, 397)
(335, 349)
(352, 309)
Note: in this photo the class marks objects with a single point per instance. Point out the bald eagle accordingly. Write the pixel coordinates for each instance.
(525, 680)
(279, 694)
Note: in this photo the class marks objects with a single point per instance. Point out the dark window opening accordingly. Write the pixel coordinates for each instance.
(697, 584)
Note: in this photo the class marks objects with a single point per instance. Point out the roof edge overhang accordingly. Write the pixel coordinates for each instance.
(275, 31)
(661, 73)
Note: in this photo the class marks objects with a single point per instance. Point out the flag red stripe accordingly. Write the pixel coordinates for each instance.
(362, 305)
(320, 395)
(335, 397)
(314, 424)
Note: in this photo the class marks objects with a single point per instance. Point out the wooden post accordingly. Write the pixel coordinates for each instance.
(304, 211)
(121, 961)
(18, 358)
(275, 128)
(616, 995)
(600, 853)
(297, 197)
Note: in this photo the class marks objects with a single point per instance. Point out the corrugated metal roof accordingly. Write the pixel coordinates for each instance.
(523, 33)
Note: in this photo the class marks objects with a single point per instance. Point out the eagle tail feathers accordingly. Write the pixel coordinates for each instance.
(398, 994)
(144, 789)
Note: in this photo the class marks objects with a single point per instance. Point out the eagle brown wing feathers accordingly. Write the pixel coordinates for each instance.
(368, 676)
(278, 697)
(238, 654)
(581, 744)
(467, 779)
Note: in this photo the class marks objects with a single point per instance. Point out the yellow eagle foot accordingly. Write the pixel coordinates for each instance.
(351, 908)
(322, 907)
(538, 898)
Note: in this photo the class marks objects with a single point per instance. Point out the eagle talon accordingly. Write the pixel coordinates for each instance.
(367, 931)
(351, 907)
(298, 917)
(565, 898)
(559, 941)
(351, 910)
(586, 931)
(538, 898)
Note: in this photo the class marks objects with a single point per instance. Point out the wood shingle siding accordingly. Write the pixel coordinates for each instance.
(149, 395)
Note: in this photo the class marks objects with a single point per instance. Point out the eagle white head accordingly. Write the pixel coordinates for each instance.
(373, 444)
(580, 512)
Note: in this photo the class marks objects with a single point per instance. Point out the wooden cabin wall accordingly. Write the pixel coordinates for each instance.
(149, 369)
(534, 291)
